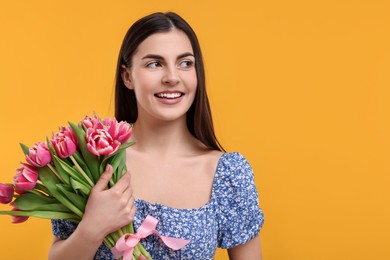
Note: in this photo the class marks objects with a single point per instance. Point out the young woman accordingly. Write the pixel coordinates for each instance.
(178, 172)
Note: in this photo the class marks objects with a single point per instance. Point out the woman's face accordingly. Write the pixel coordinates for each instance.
(163, 76)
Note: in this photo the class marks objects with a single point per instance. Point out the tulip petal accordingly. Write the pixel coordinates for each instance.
(6, 193)
(18, 219)
(92, 149)
(25, 185)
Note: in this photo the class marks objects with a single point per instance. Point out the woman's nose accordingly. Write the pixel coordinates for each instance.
(171, 77)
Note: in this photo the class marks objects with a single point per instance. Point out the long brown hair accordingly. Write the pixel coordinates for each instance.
(199, 120)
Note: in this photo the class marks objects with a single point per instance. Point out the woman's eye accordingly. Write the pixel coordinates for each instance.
(153, 64)
(186, 64)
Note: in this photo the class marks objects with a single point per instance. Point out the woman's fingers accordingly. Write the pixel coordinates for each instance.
(104, 179)
(122, 184)
(128, 196)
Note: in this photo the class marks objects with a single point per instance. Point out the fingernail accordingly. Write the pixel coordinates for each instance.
(108, 167)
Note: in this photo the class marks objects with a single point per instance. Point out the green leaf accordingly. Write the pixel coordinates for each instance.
(83, 165)
(40, 187)
(105, 159)
(44, 214)
(122, 165)
(121, 168)
(70, 171)
(51, 148)
(118, 163)
(50, 181)
(126, 145)
(25, 148)
(54, 179)
(61, 171)
(32, 201)
(78, 200)
(90, 159)
(76, 185)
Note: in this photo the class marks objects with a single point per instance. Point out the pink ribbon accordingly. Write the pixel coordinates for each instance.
(126, 243)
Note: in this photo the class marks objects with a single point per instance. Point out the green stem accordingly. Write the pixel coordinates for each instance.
(108, 242)
(81, 171)
(136, 251)
(55, 172)
(143, 251)
(131, 227)
(36, 192)
(112, 183)
(127, 229)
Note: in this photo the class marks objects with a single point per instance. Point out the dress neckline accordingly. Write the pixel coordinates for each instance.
(203, 207)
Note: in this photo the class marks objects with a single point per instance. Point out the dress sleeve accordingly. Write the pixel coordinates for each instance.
(240, 218)
(63, 228)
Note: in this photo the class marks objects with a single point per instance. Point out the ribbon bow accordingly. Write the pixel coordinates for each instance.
(126, 243)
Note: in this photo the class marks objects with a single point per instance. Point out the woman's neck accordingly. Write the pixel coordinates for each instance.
(163, 138)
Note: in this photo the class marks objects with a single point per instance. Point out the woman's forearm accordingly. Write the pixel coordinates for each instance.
(78, 246)
(248, 251)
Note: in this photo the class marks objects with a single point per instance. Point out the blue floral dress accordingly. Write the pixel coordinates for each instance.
(231, 217)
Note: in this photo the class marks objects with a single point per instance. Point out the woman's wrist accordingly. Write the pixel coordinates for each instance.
(90, 234)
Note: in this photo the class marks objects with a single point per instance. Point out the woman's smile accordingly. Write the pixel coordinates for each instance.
(169, 97)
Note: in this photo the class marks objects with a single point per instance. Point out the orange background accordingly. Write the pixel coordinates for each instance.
(301, 88)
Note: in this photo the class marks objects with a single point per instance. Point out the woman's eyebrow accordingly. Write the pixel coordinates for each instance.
(152, 56)
(185, 55)
(159, 57)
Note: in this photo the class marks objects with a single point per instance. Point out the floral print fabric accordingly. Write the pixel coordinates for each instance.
(231, 217)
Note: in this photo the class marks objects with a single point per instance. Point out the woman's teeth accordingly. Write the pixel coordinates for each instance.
(169, 95)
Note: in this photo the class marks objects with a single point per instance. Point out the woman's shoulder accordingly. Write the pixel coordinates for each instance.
(233, 173)
(225, 159)
(233, 162)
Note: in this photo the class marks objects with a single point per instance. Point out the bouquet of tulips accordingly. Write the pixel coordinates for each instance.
(59, 174)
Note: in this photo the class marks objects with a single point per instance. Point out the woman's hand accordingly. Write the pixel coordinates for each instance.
(108, 210)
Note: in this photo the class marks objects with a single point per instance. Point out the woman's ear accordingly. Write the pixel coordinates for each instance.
(126, 77)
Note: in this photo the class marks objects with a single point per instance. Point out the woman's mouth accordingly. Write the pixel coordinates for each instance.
(169, 95)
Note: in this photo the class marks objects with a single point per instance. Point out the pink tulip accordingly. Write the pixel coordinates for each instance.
(39, 155)
(25, 178)
(64, 142)
(6, 193)
(91, 122)
(100, 142)
(109, 123)
(123, 132)
(68, 131)
(119, 131)
(17, 219)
